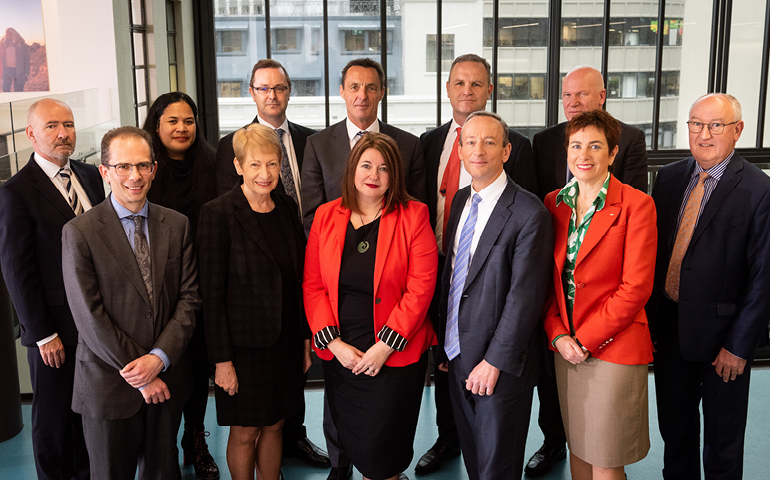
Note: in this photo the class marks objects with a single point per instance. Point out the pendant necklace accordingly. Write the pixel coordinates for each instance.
(363, 246)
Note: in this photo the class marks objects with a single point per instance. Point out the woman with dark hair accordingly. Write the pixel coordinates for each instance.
(604, 265)
(184, 181)
(370, 272)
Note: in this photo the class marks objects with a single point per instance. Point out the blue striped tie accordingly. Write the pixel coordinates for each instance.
(459, 274)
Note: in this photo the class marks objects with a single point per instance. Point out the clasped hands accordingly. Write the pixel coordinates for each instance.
(571, 350)
(359, 362)
(143, 373)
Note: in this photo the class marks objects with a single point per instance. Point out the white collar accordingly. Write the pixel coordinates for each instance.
(49, 168)
(353, 129)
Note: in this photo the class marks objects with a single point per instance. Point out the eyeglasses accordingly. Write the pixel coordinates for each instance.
(125, 169)
(714, 128)
(278, 89)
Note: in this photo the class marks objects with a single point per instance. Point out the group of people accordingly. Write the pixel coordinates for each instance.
(512, 267)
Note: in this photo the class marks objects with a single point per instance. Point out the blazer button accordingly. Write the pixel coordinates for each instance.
(147, 314)
(377, 301)
(580, 285)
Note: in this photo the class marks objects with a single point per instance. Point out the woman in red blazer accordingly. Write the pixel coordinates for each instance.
(605, 244)
(370, 271)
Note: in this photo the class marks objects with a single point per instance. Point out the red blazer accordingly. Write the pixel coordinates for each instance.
(614, 273)
(405, 272)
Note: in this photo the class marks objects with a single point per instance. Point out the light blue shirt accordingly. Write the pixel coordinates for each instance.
(125, 215)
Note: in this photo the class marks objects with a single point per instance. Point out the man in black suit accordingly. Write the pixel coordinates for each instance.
(493, 288)
(34, 206)
(270, 88)
(582, 90)
(711, 297)
(468, 89)
(363, 86)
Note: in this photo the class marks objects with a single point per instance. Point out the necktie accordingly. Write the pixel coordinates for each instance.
(450, 183)
(287, 179)
(459, 274)
(142, 254)
(683, 237)
(358, 136)
(72, 195)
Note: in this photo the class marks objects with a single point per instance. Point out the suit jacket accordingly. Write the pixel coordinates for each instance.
(227, 177)
(239, 274)
(724, 291)
(503, 296)
(520, 165)
(112, 310)
(325, 158)
(404, 276)
(630, 166)
(32, 214)
(614, 271)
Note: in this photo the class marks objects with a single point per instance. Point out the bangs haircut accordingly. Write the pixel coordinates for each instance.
(599, 119)
(256, 138)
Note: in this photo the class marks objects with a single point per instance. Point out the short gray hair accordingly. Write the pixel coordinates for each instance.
(484, 113)
(734, 103)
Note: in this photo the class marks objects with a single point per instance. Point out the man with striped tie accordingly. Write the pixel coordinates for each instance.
(34, 206)
(498, 263)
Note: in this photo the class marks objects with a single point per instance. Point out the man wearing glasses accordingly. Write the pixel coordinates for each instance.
(711, 297)
(131, 280)
(270, 89)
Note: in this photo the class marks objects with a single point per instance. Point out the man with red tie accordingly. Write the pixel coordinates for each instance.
(468, 90)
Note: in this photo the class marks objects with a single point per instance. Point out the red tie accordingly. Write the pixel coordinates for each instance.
(450, 183)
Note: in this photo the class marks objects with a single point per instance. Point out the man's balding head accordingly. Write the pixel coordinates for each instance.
(582, 91)
(51, 129)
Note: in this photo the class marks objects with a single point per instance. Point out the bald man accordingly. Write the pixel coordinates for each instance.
(582, 91)
(34, 206)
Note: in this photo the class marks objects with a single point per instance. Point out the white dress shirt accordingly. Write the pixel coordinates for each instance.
(465, 180)
(353, 130)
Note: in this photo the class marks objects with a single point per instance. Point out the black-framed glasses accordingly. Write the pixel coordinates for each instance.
(278, 89)
(125, 169)
(715, 128)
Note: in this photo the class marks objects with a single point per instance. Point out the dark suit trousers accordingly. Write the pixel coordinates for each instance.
(294, 426)
(337, 455)
(195, 407)
(680, 386)
(493, 428)
(146, 441)
(57, 432)
(549, 416)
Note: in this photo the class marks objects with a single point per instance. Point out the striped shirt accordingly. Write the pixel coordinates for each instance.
(715, 173)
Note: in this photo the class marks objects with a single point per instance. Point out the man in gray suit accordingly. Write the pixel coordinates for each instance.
(498, 265)
(363, 86)
(131, 280)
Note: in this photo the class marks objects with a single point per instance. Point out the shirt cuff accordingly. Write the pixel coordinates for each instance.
(324, 336)
(392, 339)
(163, 356)
(553, 342)
(42, 342)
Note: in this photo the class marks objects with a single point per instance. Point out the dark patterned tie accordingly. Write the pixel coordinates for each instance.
(74, 200)
(286, 176)
(142, 253)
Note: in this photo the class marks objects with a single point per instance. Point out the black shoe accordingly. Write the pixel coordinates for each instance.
(308, 452)
(340, 473)
(196, 453)
(402, 476)
(544, 459)
(435, 457)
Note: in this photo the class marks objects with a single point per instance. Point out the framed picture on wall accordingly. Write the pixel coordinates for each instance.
(23, 60)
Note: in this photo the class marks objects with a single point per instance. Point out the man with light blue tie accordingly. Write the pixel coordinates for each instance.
(499, 256)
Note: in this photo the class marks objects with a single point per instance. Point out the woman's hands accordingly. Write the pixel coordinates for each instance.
(570, 350)
(226, 378)
(346, 354)
(373, 359)
(307, 361)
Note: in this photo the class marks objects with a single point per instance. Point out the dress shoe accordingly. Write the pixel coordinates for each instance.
(435, 457)
(341, 473)
(402, 476)
(544, 459)
(196, 453)
(308, 452)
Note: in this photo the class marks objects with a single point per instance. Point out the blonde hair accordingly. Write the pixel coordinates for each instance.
(255, 137)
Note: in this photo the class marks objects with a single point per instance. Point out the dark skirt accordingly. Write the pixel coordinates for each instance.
(376, 417)
(269, 384)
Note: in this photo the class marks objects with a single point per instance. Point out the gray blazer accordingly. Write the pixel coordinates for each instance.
(326, 153)
(505, 291)
(111, 308)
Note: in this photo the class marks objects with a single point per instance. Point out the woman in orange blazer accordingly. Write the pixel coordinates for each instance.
(605, 244)
(370, 272)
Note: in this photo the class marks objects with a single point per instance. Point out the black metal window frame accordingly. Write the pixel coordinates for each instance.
(718, 65)
(172, 38)
(141, 29)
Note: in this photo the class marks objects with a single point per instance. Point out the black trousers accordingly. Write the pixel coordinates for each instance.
(680, 386)
(445, 420)
(549, 415)
(57, 432)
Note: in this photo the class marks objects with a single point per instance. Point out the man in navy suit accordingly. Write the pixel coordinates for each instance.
(711, 297)
(34, 206)
(498, 266)
(270, 89)
(468, 89)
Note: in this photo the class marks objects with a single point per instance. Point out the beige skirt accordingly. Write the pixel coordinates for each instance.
(604, 407)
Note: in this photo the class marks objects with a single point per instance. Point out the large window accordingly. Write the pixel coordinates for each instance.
(447, 52)
(140, 18)
(231, 42)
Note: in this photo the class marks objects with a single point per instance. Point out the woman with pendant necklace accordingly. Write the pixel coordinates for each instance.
(370, 272)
